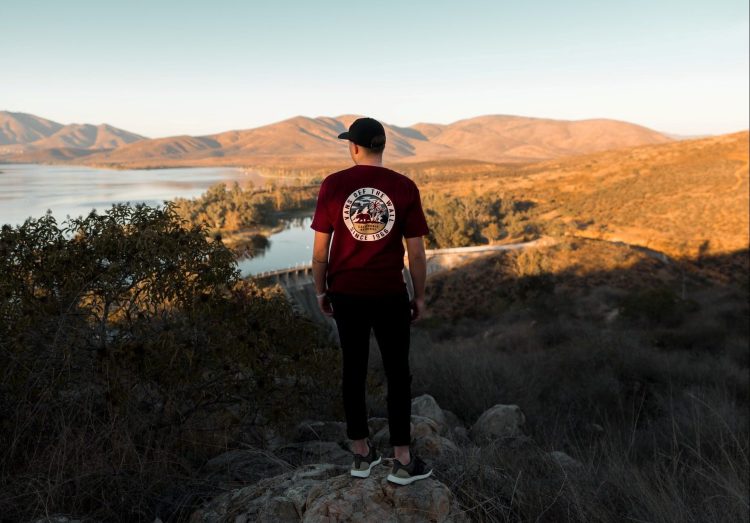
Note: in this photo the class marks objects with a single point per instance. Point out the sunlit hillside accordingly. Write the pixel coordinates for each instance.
(686, 198)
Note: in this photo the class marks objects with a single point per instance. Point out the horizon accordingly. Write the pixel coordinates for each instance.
(172, 69)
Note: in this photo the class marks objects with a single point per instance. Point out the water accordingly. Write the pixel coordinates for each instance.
(290, 247)
(28, 190)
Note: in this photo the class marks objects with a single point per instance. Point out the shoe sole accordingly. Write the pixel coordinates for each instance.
(406, 481)
(365, 473)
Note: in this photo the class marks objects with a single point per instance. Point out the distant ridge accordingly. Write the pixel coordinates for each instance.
(24, 135)
(302, 140)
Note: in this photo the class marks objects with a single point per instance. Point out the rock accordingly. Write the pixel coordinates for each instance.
(269, 500)
(433, 446)
(422, 426)
(57, 519)
(244, 467)
(377, 424)
(258, 431)
(498, 421)
(566, 461)
(310, 430)
(382, 438)
(316, 493)
(460, 435)
(307, 452)
(376, 499)
(452, 420)
(425, 405)
(426, 438)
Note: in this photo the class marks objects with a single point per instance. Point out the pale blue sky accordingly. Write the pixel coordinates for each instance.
(188, 67)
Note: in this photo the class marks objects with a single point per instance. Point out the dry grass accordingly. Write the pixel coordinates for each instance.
(586, 335)
(687, 199)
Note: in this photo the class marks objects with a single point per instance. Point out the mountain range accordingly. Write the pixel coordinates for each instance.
(303, 141)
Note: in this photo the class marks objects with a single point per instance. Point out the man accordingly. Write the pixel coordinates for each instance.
(370, 210)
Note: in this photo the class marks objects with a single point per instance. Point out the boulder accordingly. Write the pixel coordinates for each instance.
(460, 435)
(310, 430)
(497, 422)
(433, 446)
(244, 466)
(565, 461)
(377, 424)
(307, 452)
(381, 438)
(422, 426)
(426, 438)
(376, 499)
(452, 420)
(316, 493)
(278, 498)
(425, 405)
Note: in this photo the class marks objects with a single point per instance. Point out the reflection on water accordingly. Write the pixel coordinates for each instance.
(287, 248)
(28, 190)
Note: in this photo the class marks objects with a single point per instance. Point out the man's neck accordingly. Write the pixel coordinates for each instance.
(377, 162)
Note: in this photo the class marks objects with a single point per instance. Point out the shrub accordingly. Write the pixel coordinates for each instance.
(130, 351)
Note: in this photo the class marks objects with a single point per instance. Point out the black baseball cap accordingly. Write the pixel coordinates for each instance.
(366, 132)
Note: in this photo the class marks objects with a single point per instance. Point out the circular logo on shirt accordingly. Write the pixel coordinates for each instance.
(369, 214)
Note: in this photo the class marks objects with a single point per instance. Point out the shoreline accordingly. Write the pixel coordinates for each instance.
(236, 238)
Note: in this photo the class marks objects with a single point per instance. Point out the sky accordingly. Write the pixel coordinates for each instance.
(162, 68)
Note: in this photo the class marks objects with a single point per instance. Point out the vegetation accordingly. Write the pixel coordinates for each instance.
(130, 353)
(474, 220)
(233, 208)
(618, 360)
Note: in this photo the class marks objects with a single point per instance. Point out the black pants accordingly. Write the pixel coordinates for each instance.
(389, 317)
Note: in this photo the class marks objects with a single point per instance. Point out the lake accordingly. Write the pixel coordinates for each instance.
(288, 248)
(28, 190)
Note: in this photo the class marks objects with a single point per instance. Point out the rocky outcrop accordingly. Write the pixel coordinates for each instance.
(307, 479)
(325, 492)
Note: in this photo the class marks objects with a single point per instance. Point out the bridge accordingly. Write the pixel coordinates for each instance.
(297, 281)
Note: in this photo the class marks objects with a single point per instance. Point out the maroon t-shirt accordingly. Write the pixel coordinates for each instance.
(369, 209)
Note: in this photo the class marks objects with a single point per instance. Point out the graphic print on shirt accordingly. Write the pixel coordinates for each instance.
(369, 214)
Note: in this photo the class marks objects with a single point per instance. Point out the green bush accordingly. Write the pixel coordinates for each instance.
(233, 208)
(130, 352)
(473, 220)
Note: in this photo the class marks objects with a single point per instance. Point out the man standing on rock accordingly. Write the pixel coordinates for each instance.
(369, 210)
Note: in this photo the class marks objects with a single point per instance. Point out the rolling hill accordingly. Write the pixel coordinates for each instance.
(688, 198)
(303, 141)
(25, 137)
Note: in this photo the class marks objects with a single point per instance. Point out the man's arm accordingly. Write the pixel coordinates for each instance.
(418, 271)
(321, 245)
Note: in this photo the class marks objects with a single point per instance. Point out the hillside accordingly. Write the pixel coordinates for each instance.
(687, 198)
(304, 141)
(28, 138)
(21, 128)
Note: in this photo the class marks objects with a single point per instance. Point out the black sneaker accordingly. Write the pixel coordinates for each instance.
(405, 474)
(363, 464)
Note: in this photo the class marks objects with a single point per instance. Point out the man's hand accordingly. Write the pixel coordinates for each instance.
(417, 308)
(324, 302)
